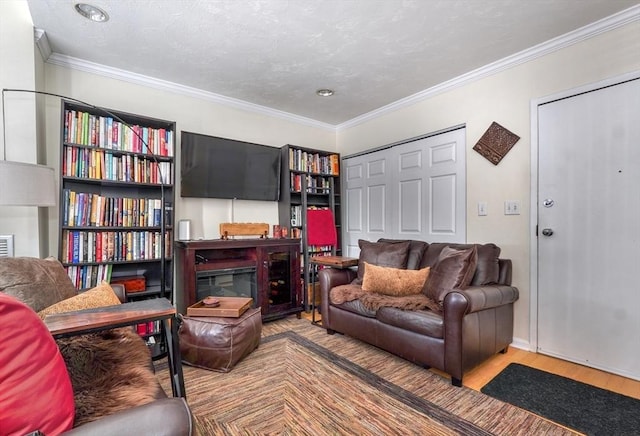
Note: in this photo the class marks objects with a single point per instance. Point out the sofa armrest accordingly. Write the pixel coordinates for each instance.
(477, 298)
(165, 417)
(332, 277)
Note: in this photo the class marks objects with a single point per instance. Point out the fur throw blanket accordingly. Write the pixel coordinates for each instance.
(374, 301)
(110, 371)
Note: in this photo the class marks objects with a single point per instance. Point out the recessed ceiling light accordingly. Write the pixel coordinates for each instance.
(91, 12)
(325, 92)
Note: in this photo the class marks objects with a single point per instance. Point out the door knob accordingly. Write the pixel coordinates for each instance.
(547, 232)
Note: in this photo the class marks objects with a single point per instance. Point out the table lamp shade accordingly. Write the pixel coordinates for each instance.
(25, 184)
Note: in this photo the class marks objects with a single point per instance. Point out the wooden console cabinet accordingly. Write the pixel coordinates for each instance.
(275, 263)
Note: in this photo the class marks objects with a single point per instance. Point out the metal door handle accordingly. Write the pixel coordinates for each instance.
(547, 232)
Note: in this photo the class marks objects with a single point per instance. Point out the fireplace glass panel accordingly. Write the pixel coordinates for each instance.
(279, 279)
(230, 282)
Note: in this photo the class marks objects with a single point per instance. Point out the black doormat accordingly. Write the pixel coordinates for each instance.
(582, 407)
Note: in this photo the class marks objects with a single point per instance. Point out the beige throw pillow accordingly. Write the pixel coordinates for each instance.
(393, 281)
(100, 296)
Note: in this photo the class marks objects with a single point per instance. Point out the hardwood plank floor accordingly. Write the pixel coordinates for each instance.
(482, 374)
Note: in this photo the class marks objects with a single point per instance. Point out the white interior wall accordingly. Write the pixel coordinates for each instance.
(190, 114)
(505, 98)
(18, 70)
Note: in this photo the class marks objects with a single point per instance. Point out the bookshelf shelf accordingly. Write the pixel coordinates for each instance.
(116, 199)
(106, 182)
(311, 179)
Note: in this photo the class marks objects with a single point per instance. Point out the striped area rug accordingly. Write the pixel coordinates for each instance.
(301, 381)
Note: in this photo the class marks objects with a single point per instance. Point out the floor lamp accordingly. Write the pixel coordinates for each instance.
(25, 184)
(43, 175)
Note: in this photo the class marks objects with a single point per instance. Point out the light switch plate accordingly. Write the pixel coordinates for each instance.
(482, 208)
(512, 207)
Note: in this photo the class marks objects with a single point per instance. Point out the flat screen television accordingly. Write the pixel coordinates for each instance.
(213, 167)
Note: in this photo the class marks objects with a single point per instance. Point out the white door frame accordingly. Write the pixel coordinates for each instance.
(533, 241)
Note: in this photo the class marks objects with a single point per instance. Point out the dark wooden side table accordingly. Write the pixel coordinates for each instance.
(339, 262)
(63, 325)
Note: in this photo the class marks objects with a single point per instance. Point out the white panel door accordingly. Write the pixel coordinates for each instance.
(414, 190)
(378, 183)
(409, 185)
(447, 180)
(354, 194)
(588, 228)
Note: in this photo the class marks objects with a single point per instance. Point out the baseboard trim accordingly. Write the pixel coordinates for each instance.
(522, 345)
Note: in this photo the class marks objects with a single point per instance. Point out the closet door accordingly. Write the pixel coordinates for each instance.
(414, 190)
(369, 211)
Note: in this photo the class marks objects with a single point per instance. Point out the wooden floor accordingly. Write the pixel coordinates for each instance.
(481, 375)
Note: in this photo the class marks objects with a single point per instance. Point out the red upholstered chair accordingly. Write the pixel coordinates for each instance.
(321, 229)
(322, 240)
(36, 376)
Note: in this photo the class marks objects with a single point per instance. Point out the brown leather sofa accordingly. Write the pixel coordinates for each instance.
(40, 283)
(475, 323)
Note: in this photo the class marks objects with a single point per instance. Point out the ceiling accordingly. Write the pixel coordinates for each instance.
(277, 53)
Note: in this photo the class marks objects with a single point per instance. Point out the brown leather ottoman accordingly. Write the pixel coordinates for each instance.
(218, 343)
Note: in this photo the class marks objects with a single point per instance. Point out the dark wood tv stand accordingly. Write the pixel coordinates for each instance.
(276, 263)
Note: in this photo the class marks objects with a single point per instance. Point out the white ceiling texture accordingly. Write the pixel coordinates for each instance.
(274, 54)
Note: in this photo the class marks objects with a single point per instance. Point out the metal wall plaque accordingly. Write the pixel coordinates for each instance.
(496, 143)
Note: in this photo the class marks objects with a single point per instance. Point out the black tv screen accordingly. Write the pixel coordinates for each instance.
(213, 167)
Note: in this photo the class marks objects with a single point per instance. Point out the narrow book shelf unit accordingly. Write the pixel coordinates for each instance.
(312, 182)
(116, 201)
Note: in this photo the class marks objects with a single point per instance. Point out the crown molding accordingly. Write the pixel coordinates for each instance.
(42, 42)
(164, 85)
(589, 31)
(606, 24)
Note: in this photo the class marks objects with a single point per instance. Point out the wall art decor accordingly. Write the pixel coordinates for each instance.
(496, 143)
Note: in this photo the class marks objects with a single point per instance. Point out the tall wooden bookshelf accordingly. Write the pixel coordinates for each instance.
(310, 179)
(116, 200)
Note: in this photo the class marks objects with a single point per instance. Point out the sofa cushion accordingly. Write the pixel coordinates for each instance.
(416, 250)
(487, 265)
(38, 283)
(393, 281)
(454, 269)
(110, 371)
(381, 254)
(35, 389)
(100, 296)
(423, 322)
(356, 307)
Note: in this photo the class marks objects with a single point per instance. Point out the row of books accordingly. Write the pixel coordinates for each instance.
(84, 209)
(89, 276)
(99, 246)
(300, 160)
(102, 131)
(314, 184)
(319, 250)
(91, 163)
(148, 328)
(315, 251)
(296, 217)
